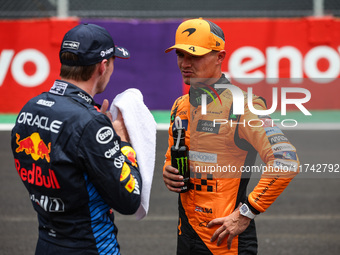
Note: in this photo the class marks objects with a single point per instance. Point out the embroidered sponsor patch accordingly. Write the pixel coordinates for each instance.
(71, 45)
(130, 185)
(137, 189)
(125, 172)
(286, 165)
(111, 152)
(59, 88)
(87, 98)
(104, 135)
(283, 147)
(207, 126)
(286, 155)
(273, 131)
(203, 157)
(277, 139)
(45, 103)
(130, 154)
(203, 210)
(103, 53)
(119, 161)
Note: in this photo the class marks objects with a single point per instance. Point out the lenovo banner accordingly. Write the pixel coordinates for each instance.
(29, 60)
(271, 55)
(267, 55)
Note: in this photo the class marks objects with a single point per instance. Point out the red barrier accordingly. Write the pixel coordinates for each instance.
(259, 51)
(29, 60)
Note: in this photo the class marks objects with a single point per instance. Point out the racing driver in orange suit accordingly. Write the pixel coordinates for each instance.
(215, 215)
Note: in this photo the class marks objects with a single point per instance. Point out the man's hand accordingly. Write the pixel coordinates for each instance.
(173, 181)
(103, 109)
(120, 128)
(232, 225)
(118, 124)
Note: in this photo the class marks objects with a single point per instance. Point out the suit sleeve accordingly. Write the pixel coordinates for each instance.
(274, 148)
(111, 166)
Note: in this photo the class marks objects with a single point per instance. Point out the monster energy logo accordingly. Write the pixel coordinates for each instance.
(182, 164)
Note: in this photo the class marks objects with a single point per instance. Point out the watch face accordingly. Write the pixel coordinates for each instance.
(244, 209)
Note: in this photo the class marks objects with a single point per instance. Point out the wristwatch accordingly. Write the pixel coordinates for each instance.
(245, 211)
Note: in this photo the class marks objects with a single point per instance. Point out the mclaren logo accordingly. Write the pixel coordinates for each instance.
(190, 30)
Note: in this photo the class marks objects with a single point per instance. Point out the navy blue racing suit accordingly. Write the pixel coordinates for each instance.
(76, 170)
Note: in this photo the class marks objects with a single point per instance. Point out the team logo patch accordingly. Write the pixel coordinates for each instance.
(190, 31)
(130, 154)
(33, 145)
(125, 172)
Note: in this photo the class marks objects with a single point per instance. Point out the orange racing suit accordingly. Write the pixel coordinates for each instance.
(221, 156)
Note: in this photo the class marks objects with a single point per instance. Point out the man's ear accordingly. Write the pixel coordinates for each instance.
(221, 56)
(102, 66)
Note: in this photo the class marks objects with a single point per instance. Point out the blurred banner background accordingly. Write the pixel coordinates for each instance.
(269, 44)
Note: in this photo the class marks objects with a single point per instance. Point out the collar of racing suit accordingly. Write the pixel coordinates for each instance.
(64, 88)
(195, 93)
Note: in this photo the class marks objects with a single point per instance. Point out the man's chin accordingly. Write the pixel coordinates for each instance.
(186, 80)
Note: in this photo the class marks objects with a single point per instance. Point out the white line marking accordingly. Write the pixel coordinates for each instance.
(6, 127)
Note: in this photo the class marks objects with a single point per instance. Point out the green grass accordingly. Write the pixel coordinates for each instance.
(7, 118)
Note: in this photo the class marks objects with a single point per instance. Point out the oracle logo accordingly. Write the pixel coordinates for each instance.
(244, 63)
(9, 61)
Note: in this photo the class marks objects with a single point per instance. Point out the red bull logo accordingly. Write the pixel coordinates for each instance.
(33, 145)
(130, 154)
(36, 176)
(132, 157)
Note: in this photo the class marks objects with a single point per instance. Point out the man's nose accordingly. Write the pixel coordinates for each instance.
(187, 61)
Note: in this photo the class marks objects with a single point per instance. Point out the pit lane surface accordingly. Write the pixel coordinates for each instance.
(304, 220)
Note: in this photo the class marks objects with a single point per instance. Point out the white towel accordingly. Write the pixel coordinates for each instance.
(141, 127)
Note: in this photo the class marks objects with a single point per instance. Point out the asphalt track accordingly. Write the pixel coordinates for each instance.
(304, 220)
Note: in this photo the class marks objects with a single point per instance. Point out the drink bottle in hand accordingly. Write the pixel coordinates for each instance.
(180, 154)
